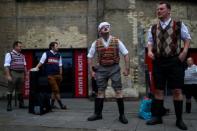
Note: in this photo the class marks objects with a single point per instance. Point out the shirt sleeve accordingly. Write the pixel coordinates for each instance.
(184, 32)
(25, 63)
(7, 59)
(149, 36)
(92, 50)
(123, 50)
(43, 58)
(60, 62)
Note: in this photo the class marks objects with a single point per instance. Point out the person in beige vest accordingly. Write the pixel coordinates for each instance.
(15, 67)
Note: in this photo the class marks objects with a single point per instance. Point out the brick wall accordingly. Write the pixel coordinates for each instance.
(74, 24)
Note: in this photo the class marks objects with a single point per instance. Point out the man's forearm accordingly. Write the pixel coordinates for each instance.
(127, 62)
(90, 63)
(150, 47)
(39, 65)
(186, 46)
(7, 71)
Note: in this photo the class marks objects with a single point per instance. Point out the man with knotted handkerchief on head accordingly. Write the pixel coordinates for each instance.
(108, 48)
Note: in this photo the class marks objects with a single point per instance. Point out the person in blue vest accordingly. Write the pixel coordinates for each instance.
(164, 42)
(190, 84)
(108, 48)
(15, 67)
(53, 64)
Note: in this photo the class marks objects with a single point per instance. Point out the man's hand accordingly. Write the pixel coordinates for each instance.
(34, 69)
(93, 74)
(182, 56)
(151, 55)
(9, 78)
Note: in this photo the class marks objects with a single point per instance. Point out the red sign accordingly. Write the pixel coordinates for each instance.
(148, 61)
(80, 73)
(29, 63)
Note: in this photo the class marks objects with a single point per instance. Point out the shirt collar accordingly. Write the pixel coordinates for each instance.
(165, 22)
(53, 52)
(109, 38)
(15, 51)
(191, 66)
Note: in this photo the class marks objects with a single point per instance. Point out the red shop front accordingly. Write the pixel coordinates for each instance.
(75, 77)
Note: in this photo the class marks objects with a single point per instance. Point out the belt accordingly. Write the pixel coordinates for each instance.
(109, 65)
(166, 57)
(18, 71)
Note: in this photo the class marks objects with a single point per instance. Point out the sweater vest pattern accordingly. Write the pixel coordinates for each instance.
(108, 55)
(17, 62)
(166, 41)
(52, 63)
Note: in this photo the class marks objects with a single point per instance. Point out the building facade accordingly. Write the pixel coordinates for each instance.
(73, 23)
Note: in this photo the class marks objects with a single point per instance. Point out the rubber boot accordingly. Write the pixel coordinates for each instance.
(188, 107)
(156, 108)
(9, 99)
(178, 106)
(98, 107)
(21, 101)
(122, 117)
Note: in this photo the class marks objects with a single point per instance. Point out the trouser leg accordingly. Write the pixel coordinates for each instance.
(52, 103)
(61, 105)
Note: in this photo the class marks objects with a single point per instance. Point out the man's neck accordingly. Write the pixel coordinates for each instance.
(105, 36)
(165, 19)
(53, 51)
(16, 51)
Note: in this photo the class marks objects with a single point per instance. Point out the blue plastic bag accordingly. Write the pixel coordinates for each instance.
(145, 108)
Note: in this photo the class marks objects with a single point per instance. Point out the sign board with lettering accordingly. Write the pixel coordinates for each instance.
(29, 63)
(80, 73)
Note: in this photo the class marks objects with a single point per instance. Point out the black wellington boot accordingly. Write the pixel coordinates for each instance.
(178, 105)
(21, 101)
(188, 107)
(156, 110)
(9, 99)
(122, 117)
(98, 107)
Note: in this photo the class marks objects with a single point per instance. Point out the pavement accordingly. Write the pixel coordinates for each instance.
(75, 118)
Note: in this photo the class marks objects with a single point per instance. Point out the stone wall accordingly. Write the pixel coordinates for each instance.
(74, 24)
(146, 16)
(39, 23)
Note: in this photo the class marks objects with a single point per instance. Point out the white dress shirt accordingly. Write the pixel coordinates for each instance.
(121, 46)
(191, 75)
